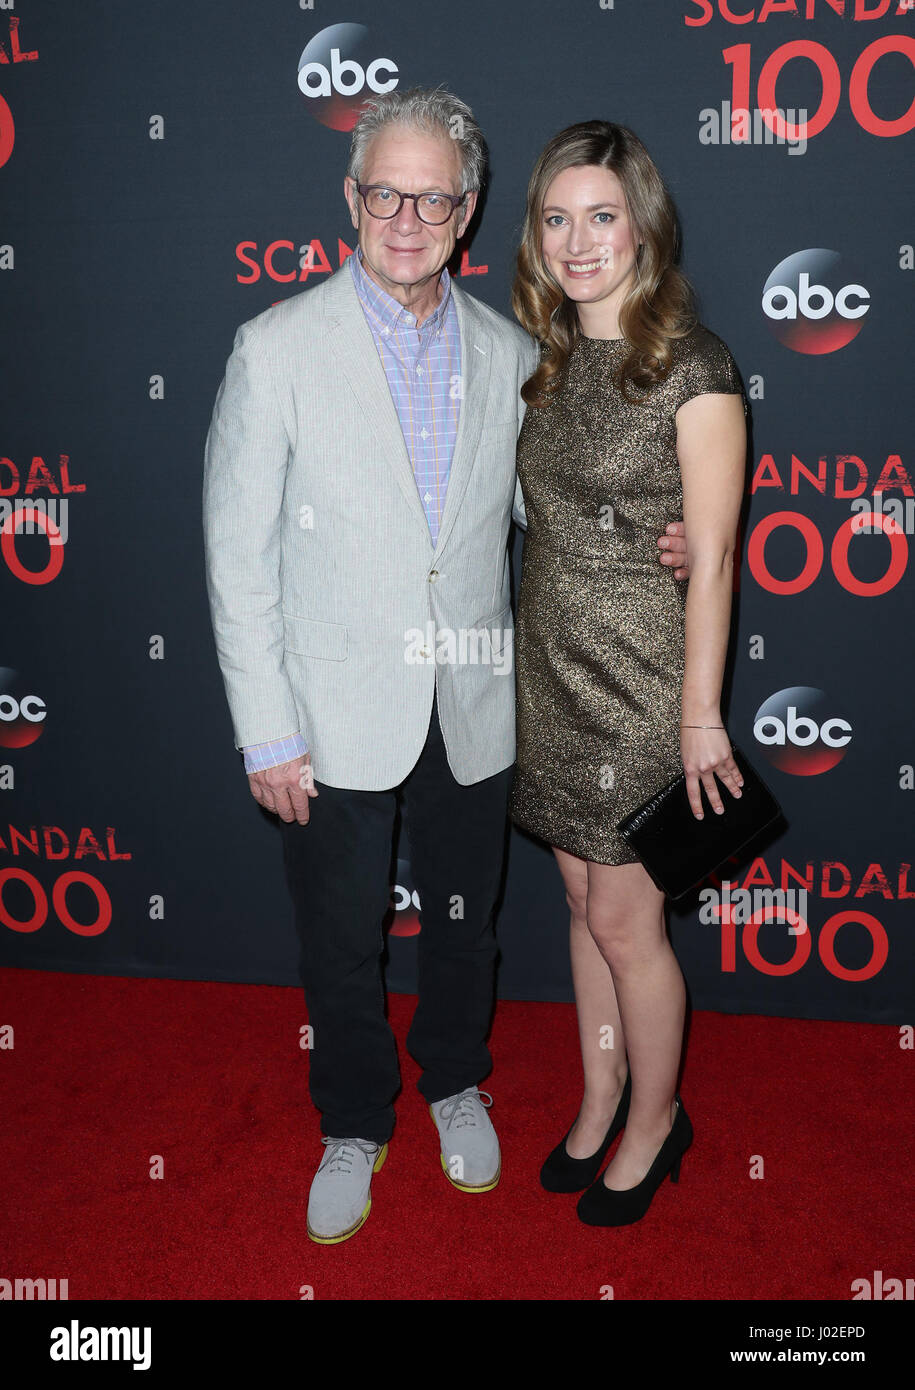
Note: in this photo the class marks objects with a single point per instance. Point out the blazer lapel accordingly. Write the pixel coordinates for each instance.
(476, 363)
(350, 340)
(353, 346)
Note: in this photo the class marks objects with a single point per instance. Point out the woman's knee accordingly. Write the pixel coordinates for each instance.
(577, 900)
(622, 940)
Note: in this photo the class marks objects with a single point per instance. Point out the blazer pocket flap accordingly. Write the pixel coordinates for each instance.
(499, 628)
(309, 637)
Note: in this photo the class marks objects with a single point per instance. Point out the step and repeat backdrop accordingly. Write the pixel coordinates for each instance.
(168, 171)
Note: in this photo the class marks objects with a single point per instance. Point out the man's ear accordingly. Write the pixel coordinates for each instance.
(467, 211)
(351, 195)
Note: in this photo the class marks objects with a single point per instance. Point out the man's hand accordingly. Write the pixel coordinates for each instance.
(285, 789)
(673, 549)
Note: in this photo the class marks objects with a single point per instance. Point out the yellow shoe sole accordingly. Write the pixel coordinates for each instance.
(357, 1225)
(465, 1186)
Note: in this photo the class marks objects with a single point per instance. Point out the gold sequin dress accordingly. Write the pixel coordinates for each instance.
(599, 633)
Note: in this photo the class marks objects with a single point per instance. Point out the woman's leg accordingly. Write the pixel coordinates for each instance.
(598, 1019)
(625, 916)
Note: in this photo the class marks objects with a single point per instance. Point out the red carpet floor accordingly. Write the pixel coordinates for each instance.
(106, 1073)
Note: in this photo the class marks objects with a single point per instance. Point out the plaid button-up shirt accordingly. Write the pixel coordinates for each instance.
(423, 370)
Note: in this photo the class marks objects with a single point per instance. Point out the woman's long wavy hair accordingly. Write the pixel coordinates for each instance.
(659, 307)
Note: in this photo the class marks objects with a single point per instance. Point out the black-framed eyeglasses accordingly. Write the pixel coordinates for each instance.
(384, 202)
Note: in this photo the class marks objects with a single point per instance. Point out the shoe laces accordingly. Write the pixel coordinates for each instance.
(341, 1153)
(460, 1110)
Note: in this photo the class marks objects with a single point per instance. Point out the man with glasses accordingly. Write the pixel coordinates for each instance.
(359, 488)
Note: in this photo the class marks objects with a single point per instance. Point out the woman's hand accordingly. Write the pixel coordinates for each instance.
(706, 754)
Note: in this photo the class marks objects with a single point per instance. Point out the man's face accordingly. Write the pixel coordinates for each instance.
(402, 251)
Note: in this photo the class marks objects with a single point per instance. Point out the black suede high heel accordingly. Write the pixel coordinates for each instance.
(560, 1173)
(603, 1206)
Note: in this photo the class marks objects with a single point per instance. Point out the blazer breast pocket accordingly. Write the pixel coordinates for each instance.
(310, 637)
(499, 443)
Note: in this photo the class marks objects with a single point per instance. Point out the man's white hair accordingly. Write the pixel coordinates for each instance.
(433, 111)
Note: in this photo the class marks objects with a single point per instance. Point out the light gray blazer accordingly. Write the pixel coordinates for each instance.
(325, 589)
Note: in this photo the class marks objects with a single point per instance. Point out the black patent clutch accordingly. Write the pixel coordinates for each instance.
(680, 851)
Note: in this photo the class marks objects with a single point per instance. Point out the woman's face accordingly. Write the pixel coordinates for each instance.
(588, 243)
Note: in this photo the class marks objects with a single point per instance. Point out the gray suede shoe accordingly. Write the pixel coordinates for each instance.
(340, 1198)
(470, 1147)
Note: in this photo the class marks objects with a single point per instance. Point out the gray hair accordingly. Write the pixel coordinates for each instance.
(431, 110)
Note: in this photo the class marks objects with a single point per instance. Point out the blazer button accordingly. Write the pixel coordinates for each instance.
(433, 575)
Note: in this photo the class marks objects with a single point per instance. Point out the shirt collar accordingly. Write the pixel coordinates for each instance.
(385, 309)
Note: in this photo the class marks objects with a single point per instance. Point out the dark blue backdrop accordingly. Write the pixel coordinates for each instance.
(148, 160)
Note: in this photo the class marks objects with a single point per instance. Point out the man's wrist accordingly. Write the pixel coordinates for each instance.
(259, 756)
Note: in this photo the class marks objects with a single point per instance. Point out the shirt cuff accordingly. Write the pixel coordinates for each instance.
(259, 756)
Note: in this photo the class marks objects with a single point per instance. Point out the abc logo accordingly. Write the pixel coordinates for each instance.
(812, 302)
(21, 715)
(337, 74)
(799, 731)
(404, 902)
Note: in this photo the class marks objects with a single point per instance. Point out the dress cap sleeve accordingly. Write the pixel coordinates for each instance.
(704, 366)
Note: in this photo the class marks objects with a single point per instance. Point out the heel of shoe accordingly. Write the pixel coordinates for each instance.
(381, 1158)
(685, 1131)
(603, 1206)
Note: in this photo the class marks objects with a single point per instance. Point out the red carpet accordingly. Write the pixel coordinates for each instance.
(106, 1073)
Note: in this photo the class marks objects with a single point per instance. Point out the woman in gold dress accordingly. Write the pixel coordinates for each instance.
(635, 417)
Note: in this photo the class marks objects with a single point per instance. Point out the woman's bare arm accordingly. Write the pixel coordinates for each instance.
(711, 447)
